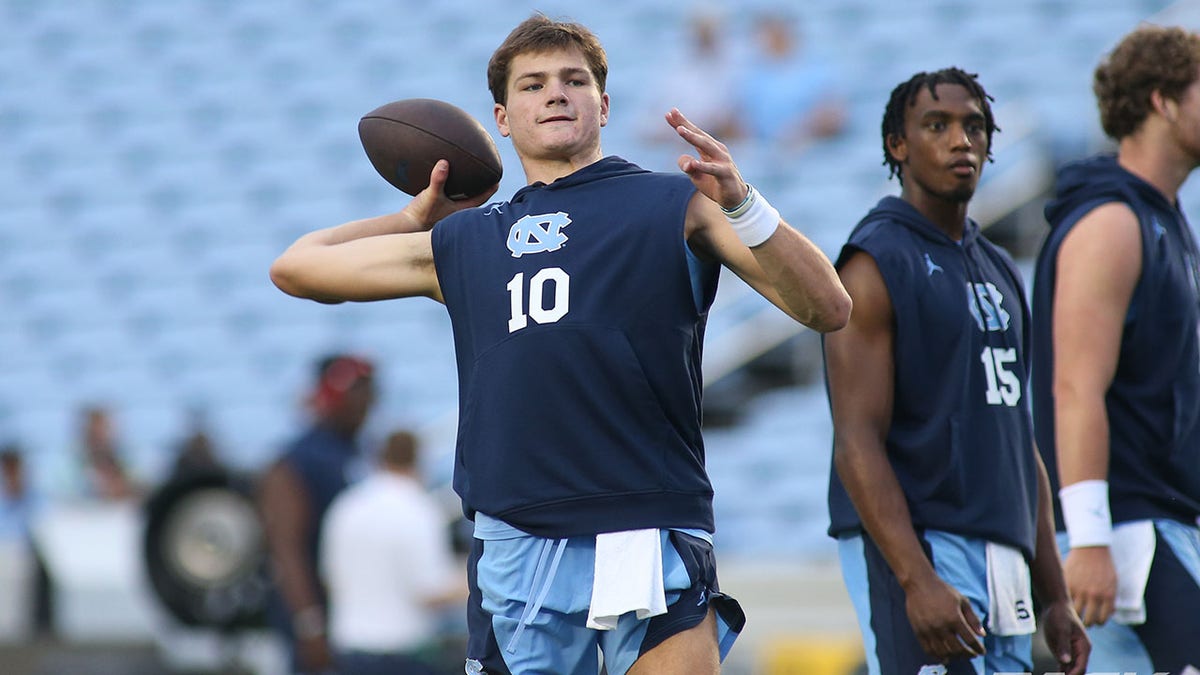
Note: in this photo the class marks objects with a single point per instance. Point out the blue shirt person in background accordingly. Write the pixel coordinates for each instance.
(19, 507)
(938, 498)
(17, 502)
(787, 97)
(294, 493)
(1117, 361)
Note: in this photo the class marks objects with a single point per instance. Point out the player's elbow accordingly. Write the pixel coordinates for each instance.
(832, 313)
(289, 275)
(285, 274)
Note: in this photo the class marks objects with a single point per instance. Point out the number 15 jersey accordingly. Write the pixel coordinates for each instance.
(961, 435)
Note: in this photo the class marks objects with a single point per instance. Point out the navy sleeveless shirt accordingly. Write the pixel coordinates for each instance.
(1153, 403)
(961, 437)
(578, 336)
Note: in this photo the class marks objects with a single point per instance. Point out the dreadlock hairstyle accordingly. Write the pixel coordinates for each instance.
(905, 94)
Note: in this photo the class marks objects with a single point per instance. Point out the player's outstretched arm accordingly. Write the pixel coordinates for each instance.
(389, 256)
(775, 259)
(860, 361)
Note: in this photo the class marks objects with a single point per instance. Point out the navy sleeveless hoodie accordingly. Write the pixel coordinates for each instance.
(961, 438)
(578, 332)
(1153, 403)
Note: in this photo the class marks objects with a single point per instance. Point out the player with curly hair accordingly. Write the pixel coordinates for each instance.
(1116, 380)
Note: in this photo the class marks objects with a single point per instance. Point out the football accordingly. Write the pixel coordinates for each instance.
(405, 138)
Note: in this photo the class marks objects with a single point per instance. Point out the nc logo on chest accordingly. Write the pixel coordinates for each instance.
(539, 233)
(986, 304)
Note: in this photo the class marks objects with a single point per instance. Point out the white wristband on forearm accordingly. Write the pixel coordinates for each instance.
(1085, 511)
(754, 220)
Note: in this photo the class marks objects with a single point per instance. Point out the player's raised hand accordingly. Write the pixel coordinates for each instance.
(431, 204)
(943, 621)
(713, 173)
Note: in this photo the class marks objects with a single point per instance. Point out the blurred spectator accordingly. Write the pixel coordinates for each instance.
(388, 565)
(18, 506)
(294, 494)
(699, 83)
(786, 96)
(105, 475)
(195, 452)
(16, 497)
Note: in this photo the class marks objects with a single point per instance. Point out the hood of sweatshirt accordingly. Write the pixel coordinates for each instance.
(895, 210)
(608, 167)
(1097, 179)
(899, 211)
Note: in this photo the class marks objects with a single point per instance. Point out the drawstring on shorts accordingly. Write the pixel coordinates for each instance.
(532, 609)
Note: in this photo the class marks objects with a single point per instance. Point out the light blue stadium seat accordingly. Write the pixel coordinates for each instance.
(250, 435)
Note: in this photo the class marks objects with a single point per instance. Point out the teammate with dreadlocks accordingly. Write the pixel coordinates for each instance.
(938, 499)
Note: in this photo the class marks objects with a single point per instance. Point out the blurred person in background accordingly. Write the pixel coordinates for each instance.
(1117, 361)
(786, 98)
(294, 493)
(105, 475)
(389, 568)
(17, 503)
(700, 80)
(938, 498)
(195, 453)
(19, 506)
(580, 454)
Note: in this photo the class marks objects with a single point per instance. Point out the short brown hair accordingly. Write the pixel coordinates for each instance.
(1151, 58)
(399, 450)
(539, 34)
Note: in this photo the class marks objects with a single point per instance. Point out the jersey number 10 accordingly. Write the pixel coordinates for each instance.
(537, 293)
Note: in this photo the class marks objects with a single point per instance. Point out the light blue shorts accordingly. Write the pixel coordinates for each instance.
(889, 642)
(529, 601)
(1172, 596)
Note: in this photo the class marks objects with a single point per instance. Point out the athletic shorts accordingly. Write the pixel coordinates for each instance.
(1167, 641)
(529, 600)
(889, 642)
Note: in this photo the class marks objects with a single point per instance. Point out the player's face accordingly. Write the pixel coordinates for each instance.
(944, 144)
(554, 108)
(1184, 121)
(356, 404)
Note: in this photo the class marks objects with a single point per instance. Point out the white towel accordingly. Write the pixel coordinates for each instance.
(1010, 597)
(628, 578)
(1132, 549)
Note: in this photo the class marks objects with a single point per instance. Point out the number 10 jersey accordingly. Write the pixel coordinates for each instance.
(578, 316)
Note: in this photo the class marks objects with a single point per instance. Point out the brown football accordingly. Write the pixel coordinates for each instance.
(405, 138)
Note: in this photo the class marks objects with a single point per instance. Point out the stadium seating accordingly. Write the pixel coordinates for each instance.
(160, 154)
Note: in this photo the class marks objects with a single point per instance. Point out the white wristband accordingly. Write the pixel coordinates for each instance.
(1085, 511)
(754, 220)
